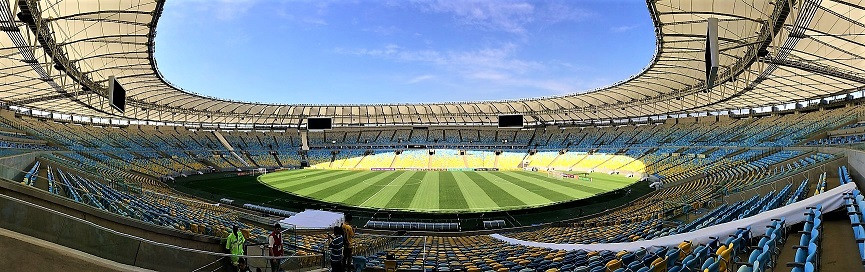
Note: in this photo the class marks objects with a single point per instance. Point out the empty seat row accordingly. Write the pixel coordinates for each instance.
(269, 210)
(412, 226)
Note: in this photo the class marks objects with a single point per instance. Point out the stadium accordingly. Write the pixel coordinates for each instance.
(738, 147)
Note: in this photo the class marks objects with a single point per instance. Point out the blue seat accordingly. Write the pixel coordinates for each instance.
(673, 257)
(690, 263)
(713, 267)
(628, 258)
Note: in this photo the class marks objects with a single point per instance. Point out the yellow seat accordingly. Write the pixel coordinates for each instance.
(725, 258)
(659, 265)
(686, 247)
(614, 264)
(389, 265)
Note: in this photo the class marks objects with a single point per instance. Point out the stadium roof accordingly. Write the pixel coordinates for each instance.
(57, 55)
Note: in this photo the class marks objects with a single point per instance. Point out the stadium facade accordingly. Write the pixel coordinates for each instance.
(768, 150)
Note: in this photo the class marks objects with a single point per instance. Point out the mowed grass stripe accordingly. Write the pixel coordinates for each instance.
(294, 173)
(621, 180)
(338, 187)
(501, 197)
(450, 195)
(387, 192)
(297, 184)
(327, 183)
(599, 181)
(290, 183)
(404, 196)
(435, 190)
(594, 186)
(427, 196)
(526, 196)
(551, 194)
(364, 189)
(372, 189)
(291, 175)
(475, 195)
(563, 186)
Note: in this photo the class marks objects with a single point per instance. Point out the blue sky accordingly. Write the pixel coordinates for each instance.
(400, 51)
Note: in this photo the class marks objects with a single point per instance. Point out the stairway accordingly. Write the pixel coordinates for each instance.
(603, 162)
(429, 161)
(41, 180)
(393, 161)
(554, 160)
(496, 161)
(229, 147)
(251, 159)
(275, 157)
(465, 161)
(578, 161)
(359, 161)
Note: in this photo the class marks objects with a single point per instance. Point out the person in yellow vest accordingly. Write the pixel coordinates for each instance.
(234, 244)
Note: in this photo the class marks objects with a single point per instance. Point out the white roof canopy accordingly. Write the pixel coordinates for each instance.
(58, 54)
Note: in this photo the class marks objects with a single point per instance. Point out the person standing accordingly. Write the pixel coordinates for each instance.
(234, 244)
(274, 245)
(348, 231)
(337, 246)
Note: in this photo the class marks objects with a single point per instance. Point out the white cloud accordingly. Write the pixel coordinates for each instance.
(488, 67)
(223, 10)
(620, 29)
(383, 30)
(507, 16)
(314, 21)
(488, 15)
(308, 13)
(227, 10)
(488, 75)
(499, 59)
(420, 78)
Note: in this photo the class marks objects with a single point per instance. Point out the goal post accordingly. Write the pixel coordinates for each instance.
(258, 171)
(555, 174)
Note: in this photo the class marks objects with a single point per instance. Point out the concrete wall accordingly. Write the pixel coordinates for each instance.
(25, 253)
(65, 231)
(13, 167)
(855, 163)
(25, 216)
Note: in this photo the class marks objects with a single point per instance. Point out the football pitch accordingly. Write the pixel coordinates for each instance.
(440, 191)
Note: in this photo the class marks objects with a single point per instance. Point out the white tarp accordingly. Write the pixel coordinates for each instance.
(314, 219)
(793, 213)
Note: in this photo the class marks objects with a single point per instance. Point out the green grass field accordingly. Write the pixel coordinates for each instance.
(440, 191)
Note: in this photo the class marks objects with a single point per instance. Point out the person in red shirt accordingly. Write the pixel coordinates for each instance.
(274, 246)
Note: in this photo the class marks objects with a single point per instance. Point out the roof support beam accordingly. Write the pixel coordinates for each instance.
(820, 69)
